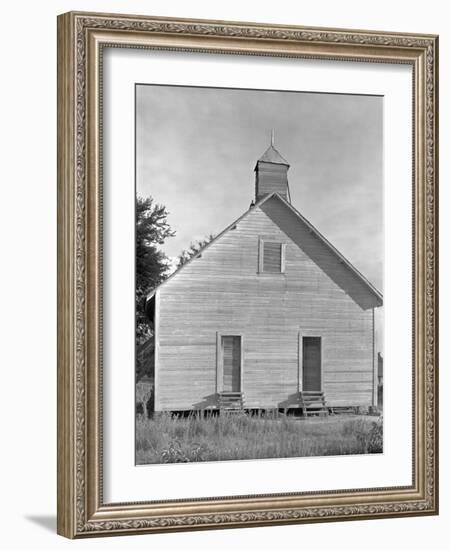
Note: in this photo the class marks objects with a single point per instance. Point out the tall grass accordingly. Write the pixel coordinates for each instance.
(169, 438)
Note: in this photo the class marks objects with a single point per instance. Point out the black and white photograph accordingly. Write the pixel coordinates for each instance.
(224, 250)
(259, 274)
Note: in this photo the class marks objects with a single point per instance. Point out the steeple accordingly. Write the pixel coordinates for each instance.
(271, 173)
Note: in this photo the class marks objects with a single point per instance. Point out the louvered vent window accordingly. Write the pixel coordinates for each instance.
(272, 257)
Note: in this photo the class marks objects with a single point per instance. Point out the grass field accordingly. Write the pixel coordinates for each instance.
(169, 438)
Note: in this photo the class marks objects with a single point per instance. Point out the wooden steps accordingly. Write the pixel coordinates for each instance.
(231, 402)
(313, 403)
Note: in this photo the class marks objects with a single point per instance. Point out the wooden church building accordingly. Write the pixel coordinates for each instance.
(269, 315)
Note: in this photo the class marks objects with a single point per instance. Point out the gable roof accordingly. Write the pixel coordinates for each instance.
(211, 242)
(341, 259)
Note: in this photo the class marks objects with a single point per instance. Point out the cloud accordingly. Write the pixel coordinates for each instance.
(197, 147)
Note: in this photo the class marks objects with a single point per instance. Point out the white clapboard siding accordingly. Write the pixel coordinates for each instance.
(222, 292)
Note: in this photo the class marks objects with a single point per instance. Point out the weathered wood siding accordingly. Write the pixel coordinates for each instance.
(270, 178)
(222, 292)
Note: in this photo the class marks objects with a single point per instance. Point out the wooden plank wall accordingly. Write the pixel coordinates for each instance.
(270, 178)
(222, 292)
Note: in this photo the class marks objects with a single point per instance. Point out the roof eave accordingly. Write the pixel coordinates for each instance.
(268, 162)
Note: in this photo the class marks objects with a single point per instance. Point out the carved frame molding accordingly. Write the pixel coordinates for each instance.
(81, 37)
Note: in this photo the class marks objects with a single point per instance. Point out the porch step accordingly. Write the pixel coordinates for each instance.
(230, 402)
(313, 403)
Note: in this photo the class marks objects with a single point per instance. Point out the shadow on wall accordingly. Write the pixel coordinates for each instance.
(292, 399)
(208, 401)
(299, 231)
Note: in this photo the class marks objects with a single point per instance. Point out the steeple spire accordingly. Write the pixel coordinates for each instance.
(271, 154)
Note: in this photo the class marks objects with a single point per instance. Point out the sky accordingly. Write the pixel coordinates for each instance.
(196, 149)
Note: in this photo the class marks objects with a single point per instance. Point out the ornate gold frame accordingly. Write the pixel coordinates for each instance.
(81, 37)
